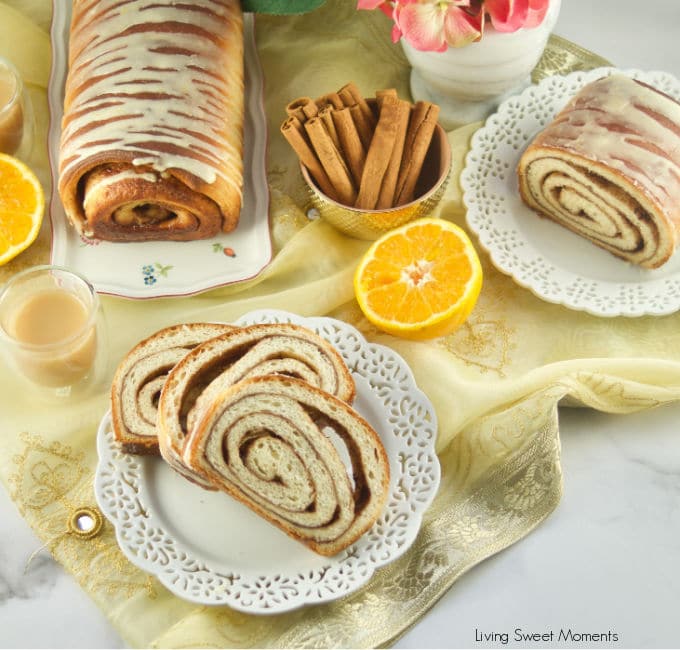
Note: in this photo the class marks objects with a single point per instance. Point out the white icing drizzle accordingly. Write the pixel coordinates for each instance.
(112, 179)
(643, 148)
(183, 66)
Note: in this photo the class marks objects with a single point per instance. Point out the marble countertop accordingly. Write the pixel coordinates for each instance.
(605, 562)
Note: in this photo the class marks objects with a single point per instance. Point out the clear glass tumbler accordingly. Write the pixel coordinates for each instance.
(16, 114)
(53, 330)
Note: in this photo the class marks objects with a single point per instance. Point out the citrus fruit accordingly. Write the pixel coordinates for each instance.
(22, 204)
(419, 281)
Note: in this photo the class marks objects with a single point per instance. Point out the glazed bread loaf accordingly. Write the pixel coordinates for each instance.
(152, 133)
(608, 168)
(264, 349)
(270, 442)
(140, 376)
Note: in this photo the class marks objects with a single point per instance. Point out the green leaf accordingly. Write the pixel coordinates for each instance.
(281, 7)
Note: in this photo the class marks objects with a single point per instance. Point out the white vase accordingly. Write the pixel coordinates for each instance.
(468, 83)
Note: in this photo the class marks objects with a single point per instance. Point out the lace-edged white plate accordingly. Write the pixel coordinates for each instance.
(556, 264)
(160, 268)
(208, 548)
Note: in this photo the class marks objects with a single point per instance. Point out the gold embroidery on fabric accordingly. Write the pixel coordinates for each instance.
(562, 56)
(603, 391)
(484, 344)
(486, 341)
(51, 486)
(275, 176)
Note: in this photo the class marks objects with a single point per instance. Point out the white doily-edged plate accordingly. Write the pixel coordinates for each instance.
(157, 268)
(208, 548)
(556, 264)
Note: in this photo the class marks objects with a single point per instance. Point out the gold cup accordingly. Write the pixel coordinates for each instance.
(371, 224)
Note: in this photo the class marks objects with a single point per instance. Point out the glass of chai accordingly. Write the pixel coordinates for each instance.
(51, 324)
(16, 115)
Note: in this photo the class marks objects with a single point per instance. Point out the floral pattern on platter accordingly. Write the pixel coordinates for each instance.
(87, 241)
(145, 501)
(151, 272)
(218, 247)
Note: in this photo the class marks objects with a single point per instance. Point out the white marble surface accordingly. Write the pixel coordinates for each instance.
(607, 560)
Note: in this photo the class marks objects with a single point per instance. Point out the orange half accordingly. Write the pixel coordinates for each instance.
(22, 205)
(419, 281)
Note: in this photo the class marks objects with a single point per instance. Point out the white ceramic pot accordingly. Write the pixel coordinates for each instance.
(468, 83)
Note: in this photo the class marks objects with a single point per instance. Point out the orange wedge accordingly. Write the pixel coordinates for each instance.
(419, 281)
(22, 204)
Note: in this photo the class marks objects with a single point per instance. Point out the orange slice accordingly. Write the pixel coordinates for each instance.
(22, 204)
(419, 281)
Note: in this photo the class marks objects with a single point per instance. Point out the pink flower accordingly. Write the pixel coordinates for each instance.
(438, 24)
(537, 11)
(511, 15)
(507, 15)
(383, 5)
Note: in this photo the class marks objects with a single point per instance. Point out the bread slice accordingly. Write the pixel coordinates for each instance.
(140, 376)
(262, 349)
(267, 442)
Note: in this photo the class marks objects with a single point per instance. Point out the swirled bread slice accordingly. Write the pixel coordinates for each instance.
(608, 168)
(140, 376)
(267, 442)
(263, 349)
(152, 134)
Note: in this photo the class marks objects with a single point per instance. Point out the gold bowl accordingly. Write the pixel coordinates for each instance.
(371, 224)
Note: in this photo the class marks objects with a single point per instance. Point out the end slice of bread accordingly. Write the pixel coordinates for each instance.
(140, 376)
(299, 457)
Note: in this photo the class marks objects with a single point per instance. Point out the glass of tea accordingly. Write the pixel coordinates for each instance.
(52, 327)
(16, 115)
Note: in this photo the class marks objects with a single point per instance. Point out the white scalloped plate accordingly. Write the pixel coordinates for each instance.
(157, 268)
(554, 263)
(208, 548)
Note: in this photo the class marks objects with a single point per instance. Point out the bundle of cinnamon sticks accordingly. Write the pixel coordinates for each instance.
(362, 153)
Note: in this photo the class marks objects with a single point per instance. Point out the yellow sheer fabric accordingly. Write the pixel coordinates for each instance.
(495, 384)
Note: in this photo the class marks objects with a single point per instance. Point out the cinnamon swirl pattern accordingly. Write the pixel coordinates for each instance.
(266, 442)
(608, 168)
(152, 133)
(140, 377)
(265, 349)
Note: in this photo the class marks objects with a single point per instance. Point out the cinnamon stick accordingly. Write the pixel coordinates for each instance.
(331, 160)
(389, 183)
(294, 133)
(379, 94)
(330, 99)
(379, 154)
(350, 142)
(363, 126)
(302, 108)
(326, 115)
(418, 137)
(350, 95)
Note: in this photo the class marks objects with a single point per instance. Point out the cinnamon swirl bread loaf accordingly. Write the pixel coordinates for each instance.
(152, 132)
(140, 376)
(608, 168)
(264, 349)
(267, 442)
